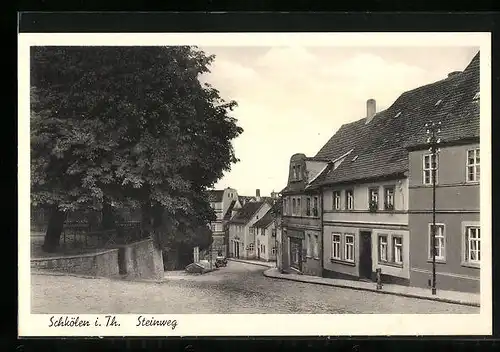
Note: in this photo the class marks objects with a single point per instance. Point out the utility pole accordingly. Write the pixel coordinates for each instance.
(433, 130)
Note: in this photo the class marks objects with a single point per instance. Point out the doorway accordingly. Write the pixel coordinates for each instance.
(236, 249)
(296, 253)
(365, 255)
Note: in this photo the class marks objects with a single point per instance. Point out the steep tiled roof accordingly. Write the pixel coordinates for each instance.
(379, 147)
(229, 211)
(246, 212)
(265, 220)
(461, 121)
(268, 218)
(215, 195)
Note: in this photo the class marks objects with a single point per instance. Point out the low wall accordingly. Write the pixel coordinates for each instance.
(141, 260)
(104, 263)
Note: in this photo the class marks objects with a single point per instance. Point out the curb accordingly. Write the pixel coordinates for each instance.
(246, 262)
(409, 295)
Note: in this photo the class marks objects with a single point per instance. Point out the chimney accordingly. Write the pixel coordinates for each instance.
(257, 195)
(371, 109)
(454, 73)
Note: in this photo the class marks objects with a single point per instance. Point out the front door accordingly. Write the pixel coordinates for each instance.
(296, 253)
(236, 249)
(365, 255)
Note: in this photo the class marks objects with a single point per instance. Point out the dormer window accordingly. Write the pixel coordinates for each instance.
(438, 102)
(355, 158)
(398, 114)
(476, 97)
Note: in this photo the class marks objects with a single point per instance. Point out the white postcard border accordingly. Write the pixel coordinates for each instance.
(259, 324)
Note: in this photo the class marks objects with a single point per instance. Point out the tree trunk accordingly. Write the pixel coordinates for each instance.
(146, 216)
(54, 230)
(108, 216)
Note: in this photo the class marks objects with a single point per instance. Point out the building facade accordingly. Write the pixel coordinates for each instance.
(365, 228)
(457, 208)
(220, 201)
(301, 219)
(458, 230)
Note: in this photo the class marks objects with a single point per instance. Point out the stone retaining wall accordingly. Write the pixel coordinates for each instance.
(104, 263)
(141, 260)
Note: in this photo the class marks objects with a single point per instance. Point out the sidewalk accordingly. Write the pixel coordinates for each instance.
(463, 298)
(254, 262)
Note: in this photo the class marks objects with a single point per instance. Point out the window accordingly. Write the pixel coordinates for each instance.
(473, 245)
(273, 232)
(349, 248)
(473, 168)
(285, 209)
(299, 175)
(316, 245)
(294, 206)
(349, 204)
(294, 174)
(273, 250)
(308, 206)
(262, 232)
(299, 210)
(439, 245)
(309, 245)
(315, 206)
(336, 246)
(389, 198)
(382, 248)
(373, 199)
(397, 250)
(250, 247)
(336, 200)
(429, 163)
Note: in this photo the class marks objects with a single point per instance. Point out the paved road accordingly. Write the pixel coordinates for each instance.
(237, 288)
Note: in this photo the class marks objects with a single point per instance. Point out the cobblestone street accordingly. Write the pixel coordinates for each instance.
(237, 288)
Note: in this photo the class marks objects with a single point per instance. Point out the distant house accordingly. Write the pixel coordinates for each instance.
(242, 236)
(220, 201)
(266, 232)
(233, 208)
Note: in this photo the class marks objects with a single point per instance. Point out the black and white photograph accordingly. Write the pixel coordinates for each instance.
(217, 184)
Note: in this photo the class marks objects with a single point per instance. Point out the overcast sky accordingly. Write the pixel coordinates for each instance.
(293, 99)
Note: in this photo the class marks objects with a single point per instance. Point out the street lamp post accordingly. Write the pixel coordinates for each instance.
(433, 130)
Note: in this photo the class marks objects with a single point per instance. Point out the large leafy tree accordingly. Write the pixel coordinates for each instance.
(121, 124)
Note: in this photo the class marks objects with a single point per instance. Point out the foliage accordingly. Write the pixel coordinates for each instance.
(128, 124)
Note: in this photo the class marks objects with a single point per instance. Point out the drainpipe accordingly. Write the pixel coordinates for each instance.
(322, 253)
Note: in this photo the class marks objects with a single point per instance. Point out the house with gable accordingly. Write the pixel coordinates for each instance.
(220, 201)
(365, 192)
(267, 230)
(301, 217)
(458, 231)
(242, 237)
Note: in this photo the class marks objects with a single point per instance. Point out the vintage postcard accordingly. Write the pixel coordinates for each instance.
(254, 184)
